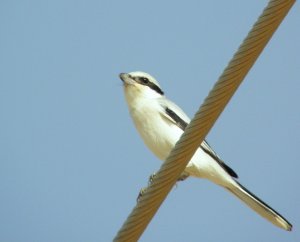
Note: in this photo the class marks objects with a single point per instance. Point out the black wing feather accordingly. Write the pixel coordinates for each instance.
(179, 121)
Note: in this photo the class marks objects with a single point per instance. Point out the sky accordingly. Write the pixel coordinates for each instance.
(71, 161)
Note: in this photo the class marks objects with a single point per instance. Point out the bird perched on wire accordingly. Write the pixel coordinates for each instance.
(161, 123)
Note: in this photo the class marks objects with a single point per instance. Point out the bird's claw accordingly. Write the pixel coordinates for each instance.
(151, 178)
(150, 181)
(142, 191)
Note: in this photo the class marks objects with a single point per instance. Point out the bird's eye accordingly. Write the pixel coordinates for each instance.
(144, 80)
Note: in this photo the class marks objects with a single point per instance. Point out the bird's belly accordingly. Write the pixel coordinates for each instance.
(203, 165)
(160, 137)
(160, 146)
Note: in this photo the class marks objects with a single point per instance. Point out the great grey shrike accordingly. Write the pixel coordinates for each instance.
(160, 123)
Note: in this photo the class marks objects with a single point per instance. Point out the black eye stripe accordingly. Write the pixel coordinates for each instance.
(145, 81)
(155, 87)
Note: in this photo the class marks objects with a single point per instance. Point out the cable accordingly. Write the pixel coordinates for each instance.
(204, 119)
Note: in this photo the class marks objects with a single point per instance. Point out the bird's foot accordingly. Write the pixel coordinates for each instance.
(183, 176)
(151, 178)
(143, 190)
(141, 193)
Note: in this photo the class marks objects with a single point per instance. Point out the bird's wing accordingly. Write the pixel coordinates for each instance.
(207, 149)
(173, 113)
(176, 115)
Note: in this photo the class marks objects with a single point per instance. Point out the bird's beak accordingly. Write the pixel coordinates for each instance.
(126, 78)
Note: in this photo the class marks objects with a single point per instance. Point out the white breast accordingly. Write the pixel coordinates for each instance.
(159, 134)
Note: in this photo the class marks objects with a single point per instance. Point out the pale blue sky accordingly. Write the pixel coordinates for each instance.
(71, 162)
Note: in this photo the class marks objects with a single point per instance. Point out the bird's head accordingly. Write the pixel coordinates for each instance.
(140, 85)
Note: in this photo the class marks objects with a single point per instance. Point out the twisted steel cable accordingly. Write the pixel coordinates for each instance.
(204, 119)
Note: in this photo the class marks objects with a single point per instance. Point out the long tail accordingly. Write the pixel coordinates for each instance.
(259, 206)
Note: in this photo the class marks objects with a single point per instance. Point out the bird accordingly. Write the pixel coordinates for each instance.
(160, 123)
